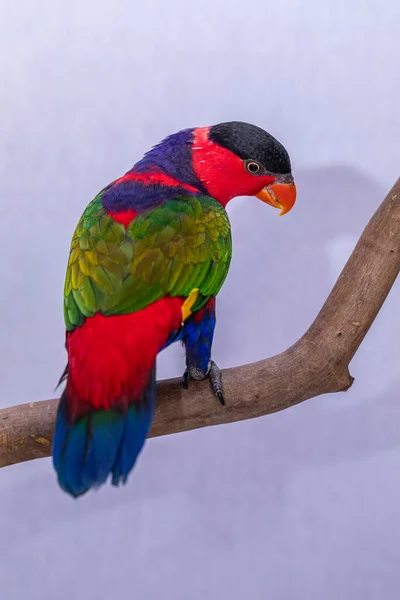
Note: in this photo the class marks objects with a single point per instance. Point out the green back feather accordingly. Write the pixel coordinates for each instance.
(182, 244)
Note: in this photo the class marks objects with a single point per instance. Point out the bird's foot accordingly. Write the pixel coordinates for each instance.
(213, 373)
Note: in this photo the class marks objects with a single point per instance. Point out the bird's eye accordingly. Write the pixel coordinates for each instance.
(253, 167)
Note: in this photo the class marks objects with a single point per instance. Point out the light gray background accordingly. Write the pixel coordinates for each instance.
(303, 504)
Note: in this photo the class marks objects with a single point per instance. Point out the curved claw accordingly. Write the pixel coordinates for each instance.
(185, 380)
(221, 398)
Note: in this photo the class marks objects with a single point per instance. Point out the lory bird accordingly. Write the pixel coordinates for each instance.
(148, 257)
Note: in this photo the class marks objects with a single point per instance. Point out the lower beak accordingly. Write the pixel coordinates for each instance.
(279, 195)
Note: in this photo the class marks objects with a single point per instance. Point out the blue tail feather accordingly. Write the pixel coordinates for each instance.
(101, 443)
(136, 427)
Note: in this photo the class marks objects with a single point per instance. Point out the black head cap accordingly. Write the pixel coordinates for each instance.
(250, 142)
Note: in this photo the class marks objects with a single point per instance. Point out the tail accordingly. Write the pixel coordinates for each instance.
(106, 409)
(87, 449)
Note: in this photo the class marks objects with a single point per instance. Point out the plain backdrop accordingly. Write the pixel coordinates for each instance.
(300, 505)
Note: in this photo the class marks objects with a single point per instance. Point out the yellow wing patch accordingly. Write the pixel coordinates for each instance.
(187, 305)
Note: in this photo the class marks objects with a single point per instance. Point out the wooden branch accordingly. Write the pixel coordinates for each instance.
(316, 364)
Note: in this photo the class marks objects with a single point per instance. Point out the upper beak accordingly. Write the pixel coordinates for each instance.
(279, 195)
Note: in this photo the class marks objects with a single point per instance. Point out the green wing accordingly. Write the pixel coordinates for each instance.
(182, 244)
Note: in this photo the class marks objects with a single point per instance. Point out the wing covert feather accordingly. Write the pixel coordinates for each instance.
(184, 243)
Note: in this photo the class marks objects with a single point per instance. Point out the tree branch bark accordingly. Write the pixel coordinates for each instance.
(316, 364)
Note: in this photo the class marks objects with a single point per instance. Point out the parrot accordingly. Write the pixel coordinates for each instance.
(147, 259)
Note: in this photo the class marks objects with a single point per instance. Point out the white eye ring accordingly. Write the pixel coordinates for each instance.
(253, 167)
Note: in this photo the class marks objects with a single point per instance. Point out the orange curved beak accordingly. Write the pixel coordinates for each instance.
(279, 195)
